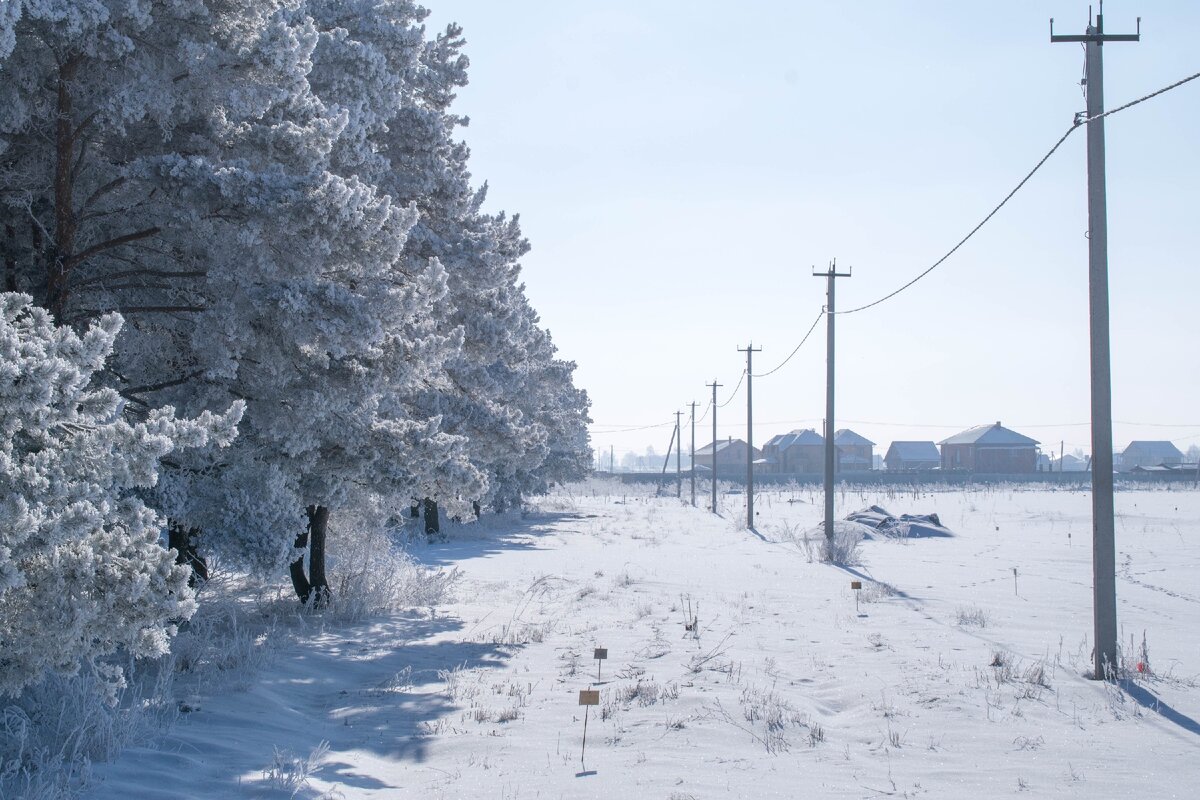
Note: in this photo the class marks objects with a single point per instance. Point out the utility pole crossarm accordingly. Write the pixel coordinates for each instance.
(1098, 36)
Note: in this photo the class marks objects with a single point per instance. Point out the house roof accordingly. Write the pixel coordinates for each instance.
(914, 451)
(785, 440)
(1069, 462)
(990, 435)
(849, 438)
(721, 445)
(1153, 449)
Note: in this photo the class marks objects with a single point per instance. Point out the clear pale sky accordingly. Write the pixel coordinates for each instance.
(681, 167)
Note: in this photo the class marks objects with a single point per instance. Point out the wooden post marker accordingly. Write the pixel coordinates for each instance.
(857, 587)
(600, 654)
(587, 699)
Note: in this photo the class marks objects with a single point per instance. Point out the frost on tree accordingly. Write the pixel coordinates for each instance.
(270, 192)
(173, 162)
(498, 390)
(82, 568)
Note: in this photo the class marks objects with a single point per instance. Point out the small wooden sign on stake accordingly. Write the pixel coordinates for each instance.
(600, 654)
(857, 587)
(587, 699)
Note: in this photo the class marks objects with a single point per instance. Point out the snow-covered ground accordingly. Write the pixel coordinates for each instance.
(958, 673)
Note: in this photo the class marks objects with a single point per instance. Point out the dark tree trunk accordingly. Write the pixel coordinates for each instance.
(182, 540)
(10, 260)
(432, 524)
(476, 508)
(299, 579)
(415, 509)
(57, 289)
(318, 521)
(314, 587)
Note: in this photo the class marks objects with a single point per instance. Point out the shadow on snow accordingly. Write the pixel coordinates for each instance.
(492, 535)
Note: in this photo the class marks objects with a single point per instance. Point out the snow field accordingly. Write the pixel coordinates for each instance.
(950, 678)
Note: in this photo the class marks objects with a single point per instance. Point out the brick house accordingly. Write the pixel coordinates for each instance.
(1150, 454)
(852, 453)
(731, 456)
(798, 451)
(990, 449)
(908, 456)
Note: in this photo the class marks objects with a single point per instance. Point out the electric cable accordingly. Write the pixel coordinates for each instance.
(797, 348)
(1079, 122)
(735, 390)
(628, 430)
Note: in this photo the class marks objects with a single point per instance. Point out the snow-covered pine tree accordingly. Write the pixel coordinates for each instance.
(243, 179)
(108, 110)
(486, 379)
(82, 570)
(263, 267)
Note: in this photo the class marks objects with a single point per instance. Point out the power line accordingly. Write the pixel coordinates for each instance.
(1160, 424)
(973, 231)
(925, 424)
(735, 390)
(1080, 121)
(797, 348)
(628, 430)
(1141, 99)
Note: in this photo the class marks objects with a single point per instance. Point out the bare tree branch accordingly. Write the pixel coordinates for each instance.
(128, 310)
(101, 191)
(155, 387)
(74, 260)
(150, 273)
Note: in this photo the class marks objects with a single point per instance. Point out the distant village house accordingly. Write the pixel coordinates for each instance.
(1150, 454)
(853, 453)
(910, 456)
(731, 456)
(990, 449)
(801, 451)
(1070, 463)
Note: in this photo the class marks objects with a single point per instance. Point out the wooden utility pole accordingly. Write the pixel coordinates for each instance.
(830, 275)
(713, 448)
(692, 454)
(749, 350)
(1104, 562)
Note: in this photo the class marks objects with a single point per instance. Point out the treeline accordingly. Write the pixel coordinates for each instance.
(247, 281)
